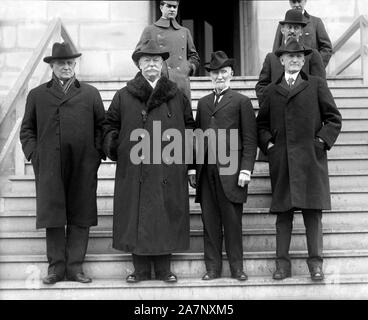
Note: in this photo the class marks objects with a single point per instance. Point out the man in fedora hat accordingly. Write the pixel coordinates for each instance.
(177, 40)
(314, 33)
(154, 221)
(61, 134)
(291, 27)
(298, 122)
(222, 193)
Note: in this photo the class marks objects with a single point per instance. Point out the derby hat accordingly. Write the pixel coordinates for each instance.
(219, 60)
(149, 47)
(294, 16)
(61, 51)
(292, 46)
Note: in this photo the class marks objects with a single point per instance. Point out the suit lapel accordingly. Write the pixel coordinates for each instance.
(298, 87)
(224, 101)
(209, 102)
(55, 90)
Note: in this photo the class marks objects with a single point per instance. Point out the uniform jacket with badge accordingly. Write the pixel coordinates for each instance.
(314, 36)
(177, 40)
(293, 120)
(234, 111)
(151, 200)
(272, 70)
(62, 135)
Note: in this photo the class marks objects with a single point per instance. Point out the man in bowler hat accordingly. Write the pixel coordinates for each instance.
(298, 122)
(61, 134)
(314, 33)
(222, 193)
(291, 27)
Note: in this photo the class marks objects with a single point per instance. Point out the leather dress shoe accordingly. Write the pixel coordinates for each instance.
(240, 275)
(281, 274)
(171, 277)
(210, 275)
(52, 278)
(79, 277)
(317, 274)
(135, 277)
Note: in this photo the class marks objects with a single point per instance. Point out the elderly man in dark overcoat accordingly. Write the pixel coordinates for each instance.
(178, 41)
(291, 27)
(61, 134)
(220, 192)
(314, 35)
(297, 123)
(151, 199)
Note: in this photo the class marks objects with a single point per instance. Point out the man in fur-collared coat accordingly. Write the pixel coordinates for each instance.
(151, 203)
(177, 40)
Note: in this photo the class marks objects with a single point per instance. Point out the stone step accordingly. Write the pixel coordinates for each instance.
(342, 163)
(25, 221)
(254, 240)
(341, 102)
(335, 286)
(185, 265)
(260, 181)
(341, 199)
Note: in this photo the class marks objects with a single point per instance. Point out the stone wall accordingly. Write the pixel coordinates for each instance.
(106, 33)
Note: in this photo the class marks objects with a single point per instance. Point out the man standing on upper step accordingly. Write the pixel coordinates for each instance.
(61, 134)
(314, 33)
(291, 27)
(225, 162)
(177, 40)
(298, 122)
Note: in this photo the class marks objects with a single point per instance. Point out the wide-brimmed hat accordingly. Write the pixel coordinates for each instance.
(294, 16)
(219, 60)
(61, 51)
(149, 47)
(292, 46)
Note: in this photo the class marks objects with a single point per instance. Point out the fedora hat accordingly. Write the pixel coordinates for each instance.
(292, 46)
(149, 47)
(219, 60)
(61, 51)
(294, 16)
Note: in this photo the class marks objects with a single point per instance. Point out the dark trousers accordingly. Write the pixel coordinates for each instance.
(219, 213)
(66, 249)
(313, 225)
(143, 265)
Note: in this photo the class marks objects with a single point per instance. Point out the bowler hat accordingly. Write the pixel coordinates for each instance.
(149, 47)
(294, 16)
(61, 51)
(292, 46)
(219, 60)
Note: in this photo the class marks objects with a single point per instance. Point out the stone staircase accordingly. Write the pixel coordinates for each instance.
(22, 247)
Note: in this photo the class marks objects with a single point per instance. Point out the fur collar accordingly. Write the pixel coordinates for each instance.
(141, 89)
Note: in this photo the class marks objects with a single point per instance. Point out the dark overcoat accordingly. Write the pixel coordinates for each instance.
(314, 36)
(234, 111)
(293, 120)
(151, 201)
(272, 70)
(178, 41)
(62, 135)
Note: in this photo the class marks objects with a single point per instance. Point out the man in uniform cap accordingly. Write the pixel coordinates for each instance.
(61, 134)
(177, 40)
(298, 122)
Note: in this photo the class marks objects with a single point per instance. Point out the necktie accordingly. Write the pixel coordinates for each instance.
(218, 95)
(290, 82)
